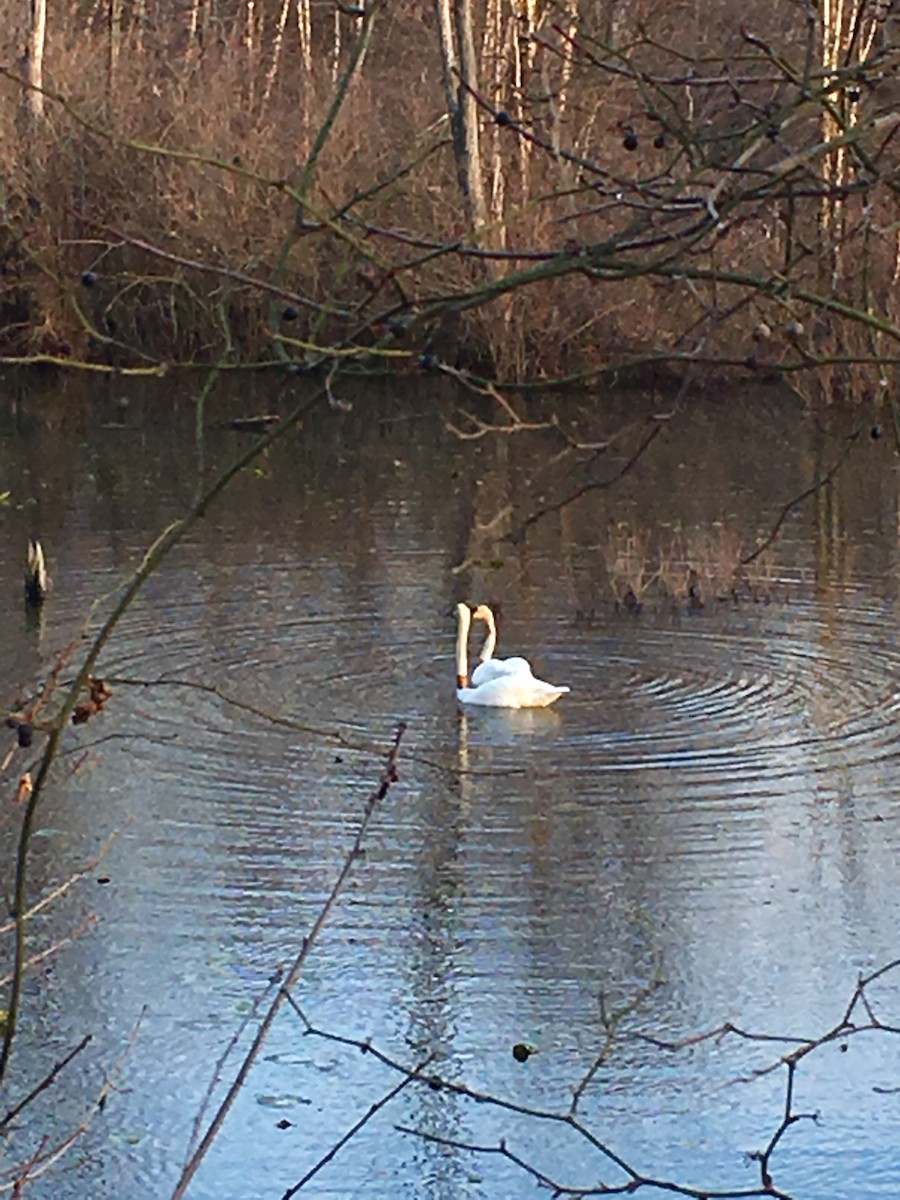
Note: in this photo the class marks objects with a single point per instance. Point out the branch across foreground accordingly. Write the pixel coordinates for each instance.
(858, 1017)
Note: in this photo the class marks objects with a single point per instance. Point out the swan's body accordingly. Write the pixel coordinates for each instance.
(515, 688)
(489, 667)
(512, 691)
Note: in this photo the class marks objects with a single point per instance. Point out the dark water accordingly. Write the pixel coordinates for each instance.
(714, 807)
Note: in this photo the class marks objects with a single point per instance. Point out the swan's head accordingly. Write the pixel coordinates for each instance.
(483, 613)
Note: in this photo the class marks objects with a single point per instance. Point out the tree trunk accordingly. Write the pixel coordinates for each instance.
(37, 32)
(304, 33)
(471, 136)
(455, 30)
(115, 44)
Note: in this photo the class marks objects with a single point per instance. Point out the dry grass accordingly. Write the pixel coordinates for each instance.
(71, 187)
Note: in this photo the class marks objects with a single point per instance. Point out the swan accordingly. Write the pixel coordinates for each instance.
(490, 667)
(517, 689)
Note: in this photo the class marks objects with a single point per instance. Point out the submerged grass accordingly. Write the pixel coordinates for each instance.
(692, 567)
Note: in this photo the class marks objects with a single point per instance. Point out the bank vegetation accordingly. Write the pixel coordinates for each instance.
(533, 191)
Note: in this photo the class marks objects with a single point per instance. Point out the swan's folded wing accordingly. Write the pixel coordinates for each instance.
(494, 668)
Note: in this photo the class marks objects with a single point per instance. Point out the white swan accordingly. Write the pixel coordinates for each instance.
(518, 689)
(490, 667)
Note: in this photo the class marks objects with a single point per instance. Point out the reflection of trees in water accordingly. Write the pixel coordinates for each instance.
(709, 511)
(690, 566)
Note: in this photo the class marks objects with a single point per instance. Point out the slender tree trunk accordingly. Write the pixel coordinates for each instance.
(521, 50)
(336, 46)
(37, 33)
(849, 31)
(115, 44)
(304, 41)
(304, 34)
(494, 54)
(251, 43)
(276, 50)
(469, 109)
(137, 25)
(194, 28)
(458, 58)
(449, 62)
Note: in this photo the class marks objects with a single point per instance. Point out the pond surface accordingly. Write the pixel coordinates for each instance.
(713, 809)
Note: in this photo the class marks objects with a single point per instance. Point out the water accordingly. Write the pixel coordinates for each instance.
(704, 830)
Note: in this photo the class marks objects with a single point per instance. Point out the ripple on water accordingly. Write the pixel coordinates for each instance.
(784, 693)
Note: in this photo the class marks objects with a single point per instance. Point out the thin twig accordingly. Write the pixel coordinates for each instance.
(389, 777)
(611, 1022)
(44, 1083)
(61, 890)
(35, 960)
(41, 1162)
(591, 486)
(355, 1128)
(216, 1075)
(804, 495)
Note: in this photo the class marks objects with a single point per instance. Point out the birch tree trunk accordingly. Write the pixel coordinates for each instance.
(457, 41)
(276, 50)
(194, 28)
(137, 25)
(849, 30)
(34, 75)
(336, 46)
(304, 34)
(115, 43)
(471, 134)
(494, 44)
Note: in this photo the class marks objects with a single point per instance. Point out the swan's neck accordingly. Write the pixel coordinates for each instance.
(490, 641)
(462, 651)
